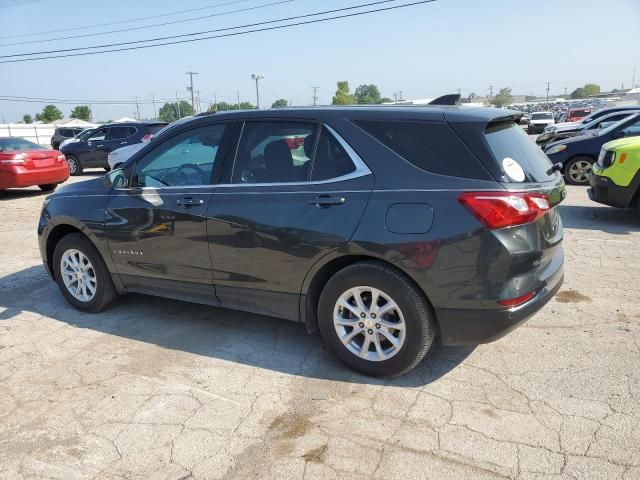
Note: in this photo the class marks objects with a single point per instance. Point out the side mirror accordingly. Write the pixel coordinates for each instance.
(116, 178)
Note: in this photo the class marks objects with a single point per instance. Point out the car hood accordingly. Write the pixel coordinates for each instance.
(631, 143)
(569, 141)
(94, 186)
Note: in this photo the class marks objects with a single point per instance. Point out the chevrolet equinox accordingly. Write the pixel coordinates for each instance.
(383, 227)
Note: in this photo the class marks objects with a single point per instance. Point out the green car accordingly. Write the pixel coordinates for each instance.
(615, 177)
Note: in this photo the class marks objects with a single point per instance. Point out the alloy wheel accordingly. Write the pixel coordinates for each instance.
(73, 166)
(579, 171)
(78, 275)
(369, 323)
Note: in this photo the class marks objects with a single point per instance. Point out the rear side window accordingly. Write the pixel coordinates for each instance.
(331, 160)
(508, 142)
(433, 147)
(119, 133)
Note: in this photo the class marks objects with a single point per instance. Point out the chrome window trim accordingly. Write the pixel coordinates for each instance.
(361, 170)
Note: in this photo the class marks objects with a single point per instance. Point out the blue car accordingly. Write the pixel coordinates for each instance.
(578, 154)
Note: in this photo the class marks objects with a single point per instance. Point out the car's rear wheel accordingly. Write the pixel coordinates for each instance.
(577, 170)
(81, 274)
(75, 168)
(49, 187)
(375, 320)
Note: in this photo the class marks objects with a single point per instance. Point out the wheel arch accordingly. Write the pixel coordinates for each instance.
(316, 280)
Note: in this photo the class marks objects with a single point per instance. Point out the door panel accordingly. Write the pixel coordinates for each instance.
(265, 237)
(157, 227)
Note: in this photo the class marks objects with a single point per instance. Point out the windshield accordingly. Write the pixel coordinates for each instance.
(541, 116)
(85, 133)
(14, 144)
(613, 127)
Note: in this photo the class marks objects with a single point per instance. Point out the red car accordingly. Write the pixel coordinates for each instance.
(577, 114)
(23, 163)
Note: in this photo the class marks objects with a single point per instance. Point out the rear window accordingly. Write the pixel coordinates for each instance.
(153, 129)
(541, 116)
(433, 147)
(508, 142)
(580, 113)
(16, 144)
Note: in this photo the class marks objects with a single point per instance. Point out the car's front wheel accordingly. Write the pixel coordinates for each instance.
(577, 170)
(81, 274)
(375, 320)
(75, 168)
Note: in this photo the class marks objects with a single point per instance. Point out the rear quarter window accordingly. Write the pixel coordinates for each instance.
(430, 146)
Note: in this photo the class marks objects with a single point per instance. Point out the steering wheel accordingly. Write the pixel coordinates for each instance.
(195, 177)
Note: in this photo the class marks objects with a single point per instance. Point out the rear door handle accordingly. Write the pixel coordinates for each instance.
(189, 202)
(322, 201)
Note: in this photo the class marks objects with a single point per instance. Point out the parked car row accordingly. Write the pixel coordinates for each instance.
(24, 164)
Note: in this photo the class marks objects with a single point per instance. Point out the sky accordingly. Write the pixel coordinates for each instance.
(424, 50)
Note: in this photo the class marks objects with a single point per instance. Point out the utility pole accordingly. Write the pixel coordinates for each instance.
(238, 96)
(490, 91)
(257, 78)
(565, 92)
(633, 81)
(155, 110)
(547, 94)
(178, 105)
(198, 101)
(315, 95)
(190, 88)
(137, 109)
(91, 113)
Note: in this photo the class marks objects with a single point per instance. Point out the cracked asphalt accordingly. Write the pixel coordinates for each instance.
(159, 389)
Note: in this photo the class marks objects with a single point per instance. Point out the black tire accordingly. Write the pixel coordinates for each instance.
(75, 167)
(105, 294)
(572, 179)
(49, 187)
(418, 317)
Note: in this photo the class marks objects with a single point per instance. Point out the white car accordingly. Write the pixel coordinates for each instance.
(121, 155)
(539, 121)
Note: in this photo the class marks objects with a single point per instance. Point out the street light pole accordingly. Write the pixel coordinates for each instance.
(257, 78)
(190, 88)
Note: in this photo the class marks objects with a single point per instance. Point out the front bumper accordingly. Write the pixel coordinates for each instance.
(476, 326)
(535, 128)
(604, 190)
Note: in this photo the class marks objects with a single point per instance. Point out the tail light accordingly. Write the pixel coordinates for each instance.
(18, 159)
(61, 158)
(505, 209)
(147, 137)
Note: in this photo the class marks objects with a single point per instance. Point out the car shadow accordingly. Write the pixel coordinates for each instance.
(255, 340)
(600, 218)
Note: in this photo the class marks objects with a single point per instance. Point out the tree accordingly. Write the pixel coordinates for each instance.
(503, 98)
(386, 100)
(586, 91)
(172, 111)
(224, 106)
(367, 95)
(26, 118)
(49, 113)
(342, 96)
(81, 112)
(280, 103)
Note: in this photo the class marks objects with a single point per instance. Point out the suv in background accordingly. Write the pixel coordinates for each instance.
(92, 150)
(539, 121)
(63, 133)
(383, 227)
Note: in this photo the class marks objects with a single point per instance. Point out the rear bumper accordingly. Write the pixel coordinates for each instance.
(475, 326)
(604, 191)
(22, 177)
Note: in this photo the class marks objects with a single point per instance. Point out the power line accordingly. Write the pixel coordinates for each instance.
(170, 37)
(256, 7)
(120, 22)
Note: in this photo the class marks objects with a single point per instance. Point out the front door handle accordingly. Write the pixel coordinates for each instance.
(123, 143)
(188, 202)
(99, 146)
(322, 201)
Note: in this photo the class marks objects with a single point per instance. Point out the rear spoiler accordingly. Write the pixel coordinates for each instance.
(450, 99)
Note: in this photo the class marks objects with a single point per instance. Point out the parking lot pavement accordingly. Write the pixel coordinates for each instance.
(158, 389)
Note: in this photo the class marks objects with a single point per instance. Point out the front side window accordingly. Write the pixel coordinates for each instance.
(184, 160)
(632, 130)
(274, 152)
(97, 135)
